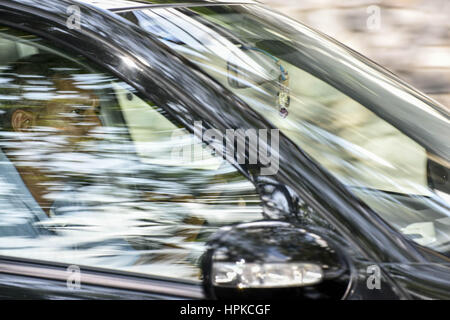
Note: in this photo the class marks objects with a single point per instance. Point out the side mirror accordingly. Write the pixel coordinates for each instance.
(274, 260)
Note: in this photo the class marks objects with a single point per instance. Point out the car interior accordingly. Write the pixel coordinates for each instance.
(344, 136)
(124, 199)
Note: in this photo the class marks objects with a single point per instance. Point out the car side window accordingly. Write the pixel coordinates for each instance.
(92, 174)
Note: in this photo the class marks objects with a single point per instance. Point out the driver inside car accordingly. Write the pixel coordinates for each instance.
(50, 116)
(52, 127)
(72, 177)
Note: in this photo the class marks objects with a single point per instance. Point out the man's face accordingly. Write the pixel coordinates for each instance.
(71, 114)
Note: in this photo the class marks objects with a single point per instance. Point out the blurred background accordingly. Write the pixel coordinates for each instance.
(409, 37)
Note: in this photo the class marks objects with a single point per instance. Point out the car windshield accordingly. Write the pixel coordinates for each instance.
(384, 141)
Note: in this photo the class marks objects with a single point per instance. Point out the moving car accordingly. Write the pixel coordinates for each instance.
(207, 149)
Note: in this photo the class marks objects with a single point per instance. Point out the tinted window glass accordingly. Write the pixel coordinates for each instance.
(92, 174)
(285, 72)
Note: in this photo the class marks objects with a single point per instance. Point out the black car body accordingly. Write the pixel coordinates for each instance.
(302, 193)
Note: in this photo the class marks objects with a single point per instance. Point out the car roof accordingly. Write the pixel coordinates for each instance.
(118, 5)
(114, 4)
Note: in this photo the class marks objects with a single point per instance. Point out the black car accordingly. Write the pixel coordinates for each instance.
(207, 149)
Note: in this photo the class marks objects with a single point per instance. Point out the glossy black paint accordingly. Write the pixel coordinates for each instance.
(188, 94)
(267, 242)
(31, 279)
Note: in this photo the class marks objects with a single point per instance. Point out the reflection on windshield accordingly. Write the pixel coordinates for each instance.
(88, 176)
(395, 175)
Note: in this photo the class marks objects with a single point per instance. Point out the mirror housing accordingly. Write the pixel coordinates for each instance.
(273, 260)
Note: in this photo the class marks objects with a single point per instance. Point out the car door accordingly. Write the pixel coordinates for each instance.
(103, 193)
